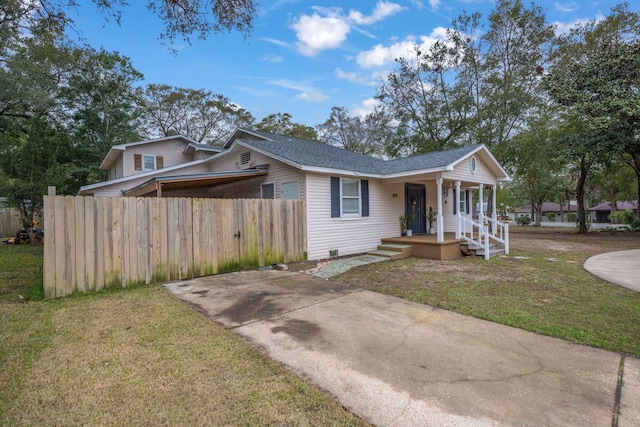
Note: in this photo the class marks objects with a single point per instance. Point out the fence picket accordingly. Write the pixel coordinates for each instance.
(93, 242)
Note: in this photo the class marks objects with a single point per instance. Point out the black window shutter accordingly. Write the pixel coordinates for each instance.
(364, 190)
(466, 204)
(455, 208)
(335, 197)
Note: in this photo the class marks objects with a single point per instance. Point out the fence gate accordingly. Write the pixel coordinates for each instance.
(97, 242)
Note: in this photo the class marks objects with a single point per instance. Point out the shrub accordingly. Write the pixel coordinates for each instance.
(551, 216)
(635, 224)
(523, 220)
(622, 217)
(572, 217)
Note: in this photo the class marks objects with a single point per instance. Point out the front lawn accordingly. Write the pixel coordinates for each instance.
(541, 286)
(135, 357)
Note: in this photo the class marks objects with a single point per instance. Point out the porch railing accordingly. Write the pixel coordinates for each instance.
(499, 232)
(482, 232)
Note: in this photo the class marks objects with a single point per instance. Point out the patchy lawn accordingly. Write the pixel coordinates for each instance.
(541, 286)
(135, 357)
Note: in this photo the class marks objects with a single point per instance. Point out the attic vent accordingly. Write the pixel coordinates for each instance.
(245, 158)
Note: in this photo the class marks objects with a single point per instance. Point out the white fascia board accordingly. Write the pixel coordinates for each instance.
(406, 174)
(111, 156)
(266, 153)
(318, 169)
(143, 175)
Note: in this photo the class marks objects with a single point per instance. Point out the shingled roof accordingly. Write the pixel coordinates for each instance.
(301, 153)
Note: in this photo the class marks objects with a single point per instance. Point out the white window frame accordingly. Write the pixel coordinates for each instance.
(292, 184)
(144, 162)
(273, 185)
(358, 198)
(462, 206)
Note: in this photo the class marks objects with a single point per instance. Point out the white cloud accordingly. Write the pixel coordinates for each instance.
(312, 96)
(272, 58)
(307, 93)
(355, 78)
(566, 7)
(364, 108)
(564, 27)
(277, 42)
(316, 33)
(382, 10)
(380, 55)
(327, 28)
(434, 4)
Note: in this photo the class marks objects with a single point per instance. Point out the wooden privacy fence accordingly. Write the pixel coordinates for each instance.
(97, 242)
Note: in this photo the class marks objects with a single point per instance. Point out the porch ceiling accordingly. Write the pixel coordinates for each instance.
(155, 186)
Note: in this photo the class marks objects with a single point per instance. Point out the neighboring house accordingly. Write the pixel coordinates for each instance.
(547, 207)
(601, 212)
(352, 200)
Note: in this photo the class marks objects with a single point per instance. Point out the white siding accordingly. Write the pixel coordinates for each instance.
(462, 172)
(279, 173)
(350, 235)
(172, 155)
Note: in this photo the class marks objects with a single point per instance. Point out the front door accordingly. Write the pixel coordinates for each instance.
(414, 197)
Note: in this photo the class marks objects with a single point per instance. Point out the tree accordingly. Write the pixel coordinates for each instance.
(470, 89)
(181, 18)
(198, 114)
(595, 76)
(538, 165)
(361, 135)
(281, 124)
(102, 108)
(33, 155)
(428, 98)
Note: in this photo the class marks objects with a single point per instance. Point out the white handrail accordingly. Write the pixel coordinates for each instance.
(501, 234)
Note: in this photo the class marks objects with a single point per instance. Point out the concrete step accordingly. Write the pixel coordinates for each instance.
(397, 247)
(393, 255)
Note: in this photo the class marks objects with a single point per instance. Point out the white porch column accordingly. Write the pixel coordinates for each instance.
(480, 204)
(457, 208)
(439, 222)
(480, 212)
(494, 213)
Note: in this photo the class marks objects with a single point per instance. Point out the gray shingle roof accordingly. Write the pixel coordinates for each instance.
(310, 153)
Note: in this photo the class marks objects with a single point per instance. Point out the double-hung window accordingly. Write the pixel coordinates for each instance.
(148, 162)
(350, 197)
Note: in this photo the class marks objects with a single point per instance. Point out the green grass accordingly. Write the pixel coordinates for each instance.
(20, 272)
(556, 298)
(136, 357)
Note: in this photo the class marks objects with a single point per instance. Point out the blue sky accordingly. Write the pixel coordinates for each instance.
(303, 57)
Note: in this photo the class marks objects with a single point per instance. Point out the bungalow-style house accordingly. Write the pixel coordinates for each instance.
(601, 212)
(352, 200)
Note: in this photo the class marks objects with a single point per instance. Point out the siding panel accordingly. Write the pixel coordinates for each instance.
(350, 235)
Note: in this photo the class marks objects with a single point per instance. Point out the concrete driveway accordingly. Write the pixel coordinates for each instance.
(397, 363)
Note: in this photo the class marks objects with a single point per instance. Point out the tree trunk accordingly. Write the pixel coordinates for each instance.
(582, 220)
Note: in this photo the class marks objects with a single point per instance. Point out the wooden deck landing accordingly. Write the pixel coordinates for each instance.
(426, 246)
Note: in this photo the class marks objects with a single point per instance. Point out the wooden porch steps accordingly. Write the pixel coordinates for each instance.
(393, 251)
(469, 249)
